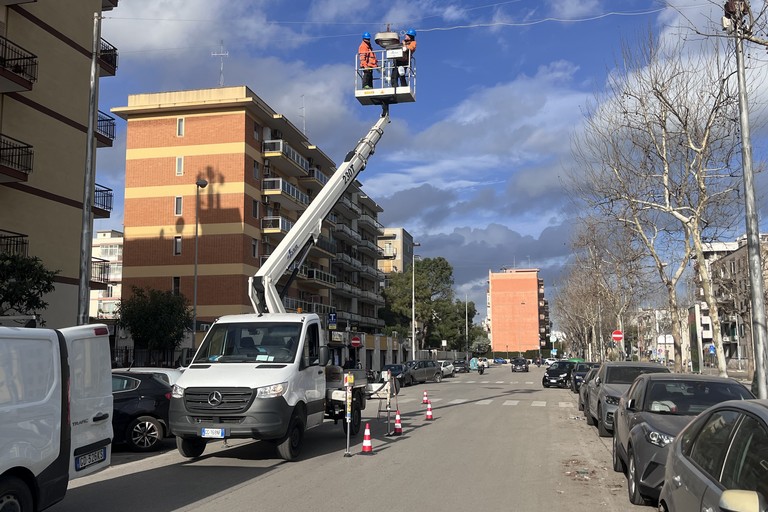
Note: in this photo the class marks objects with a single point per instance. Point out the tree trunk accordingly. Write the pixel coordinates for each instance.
(674, 313)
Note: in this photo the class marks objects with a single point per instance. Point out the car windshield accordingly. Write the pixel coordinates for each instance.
(691, 397)
(244, 342)
(519, 361)
(582, 367)
(562, 365)
(628, 374)
(394, 368)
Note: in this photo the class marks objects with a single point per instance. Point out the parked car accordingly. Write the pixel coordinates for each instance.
(613, 380)
(169, 375)
(447, 368)
(140, 417)
(578, 373)
(558, 374)
(402, 372)
(584, 389)
(499, 360)
(651, 413)
(424, 370)
(461, 366)
(725, 448)
(519, 364)
(548, 361)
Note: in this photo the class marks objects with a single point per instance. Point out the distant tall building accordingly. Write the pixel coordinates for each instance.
(518, 314)
(46, 53)
(107, 247)
(224, 159)
(396, 245)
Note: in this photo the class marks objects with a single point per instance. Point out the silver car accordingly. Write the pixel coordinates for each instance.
(612, 380)
(724, 449)
(651, 414)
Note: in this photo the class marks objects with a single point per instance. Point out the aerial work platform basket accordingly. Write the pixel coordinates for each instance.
(394, 65)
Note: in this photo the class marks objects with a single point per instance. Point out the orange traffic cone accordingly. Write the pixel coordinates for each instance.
(429, 410)
(426, 398)
(367, 446)
(398, 426)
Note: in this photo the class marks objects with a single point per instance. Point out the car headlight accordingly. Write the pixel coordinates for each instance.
(177, 391)
(659, 439)
(563, 375)
(612, 400)
(272, 391)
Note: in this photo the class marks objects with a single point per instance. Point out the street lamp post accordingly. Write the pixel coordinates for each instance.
(413, 300)
(200, 183)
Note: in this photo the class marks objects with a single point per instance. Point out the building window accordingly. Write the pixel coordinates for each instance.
(176, 286)
(254, 248)
(179, 166)
(176, 245)
(256, 131)
(255, 209)
(177, 205)
(256, 170)
(180, 127)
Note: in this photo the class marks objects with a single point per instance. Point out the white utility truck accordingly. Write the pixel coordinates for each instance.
(266, 375)
(55, 411)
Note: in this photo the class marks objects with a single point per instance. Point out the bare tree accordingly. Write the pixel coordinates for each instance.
(655, 157)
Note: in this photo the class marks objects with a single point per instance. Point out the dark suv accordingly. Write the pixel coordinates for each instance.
(558, 374)
(519, 364)
(461, 366)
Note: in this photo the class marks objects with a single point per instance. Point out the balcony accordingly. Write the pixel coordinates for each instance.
(270, 225)
(343, 232)
(278, 153)
(366, 221)
(370, 248)
(315, 180)
(107, 59)
(105, 130)
(13, 243)
(317, 277)
(102, 202)
(347, 208)
(291, 198)
(18, 67)
(99, 274)
(108, 5)
(15, 160)
(325, 246)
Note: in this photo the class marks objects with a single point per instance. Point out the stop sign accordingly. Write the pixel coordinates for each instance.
(355, 341)
(617, 335)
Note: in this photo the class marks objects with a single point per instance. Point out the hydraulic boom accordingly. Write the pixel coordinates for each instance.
(293, 249)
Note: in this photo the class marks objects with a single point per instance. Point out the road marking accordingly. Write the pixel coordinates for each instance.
(457, 401)
(406, 400)
(499, 382)
(565, 404)
(484, 402)
(433, 400)
(511, 402)
(470, 382)
(527, 382)
(485, 382)
(537, 403)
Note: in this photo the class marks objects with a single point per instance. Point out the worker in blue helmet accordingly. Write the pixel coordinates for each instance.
(368, 60)
(403, 64)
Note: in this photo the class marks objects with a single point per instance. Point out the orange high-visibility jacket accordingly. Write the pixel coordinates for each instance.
(367, 56)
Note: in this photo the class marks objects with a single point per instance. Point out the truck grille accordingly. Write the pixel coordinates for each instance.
(218, 400)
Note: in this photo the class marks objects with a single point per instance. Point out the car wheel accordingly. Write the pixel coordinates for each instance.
(633, 481)
(618, 466)
(439, 377)
(601, 430)
(588, 415)
(289, 447)
(581, 404)
(144, 434)
(15, 495)
(545, 384)
(191, 448)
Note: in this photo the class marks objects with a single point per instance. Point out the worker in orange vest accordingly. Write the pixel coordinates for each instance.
(368, 60)
(409, 48)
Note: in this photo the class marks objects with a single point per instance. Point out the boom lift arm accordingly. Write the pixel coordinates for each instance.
(262, 287)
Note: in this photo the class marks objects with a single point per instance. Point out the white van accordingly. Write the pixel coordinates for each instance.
(55, 411)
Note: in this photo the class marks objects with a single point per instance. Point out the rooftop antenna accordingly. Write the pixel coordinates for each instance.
(221, 53)
(303, 117)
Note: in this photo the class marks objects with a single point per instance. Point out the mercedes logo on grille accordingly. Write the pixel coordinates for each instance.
(214, 398)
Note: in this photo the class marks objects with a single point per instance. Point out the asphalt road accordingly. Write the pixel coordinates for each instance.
(497, 442)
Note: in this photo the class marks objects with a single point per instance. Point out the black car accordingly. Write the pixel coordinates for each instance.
(401, 372)
(140, 415)
(578, 373)
(558, 374)
(460, 366)
(519, 364)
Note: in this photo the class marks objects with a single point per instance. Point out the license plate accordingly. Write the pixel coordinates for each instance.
(89, 459)
(214, 433)
(552, 380)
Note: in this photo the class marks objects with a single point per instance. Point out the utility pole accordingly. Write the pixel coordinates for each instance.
(735, 22)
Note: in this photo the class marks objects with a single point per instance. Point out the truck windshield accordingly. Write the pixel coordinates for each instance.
(245, 342)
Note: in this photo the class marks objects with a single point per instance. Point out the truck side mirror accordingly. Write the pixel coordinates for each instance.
(324, 355)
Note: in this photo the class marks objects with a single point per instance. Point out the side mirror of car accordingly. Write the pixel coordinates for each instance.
(630, 404)
(741, 501)
(597, 381)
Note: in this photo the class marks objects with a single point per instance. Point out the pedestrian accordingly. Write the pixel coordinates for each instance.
(368, 60)
(400, 64)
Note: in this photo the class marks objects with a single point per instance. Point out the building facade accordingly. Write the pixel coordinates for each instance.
(44, 117)
(215, 178)
(518, 314)
(107, 247)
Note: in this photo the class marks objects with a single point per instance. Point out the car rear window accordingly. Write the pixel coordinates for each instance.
(628, 374)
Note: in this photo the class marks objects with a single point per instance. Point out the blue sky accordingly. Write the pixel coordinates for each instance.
(473, 168)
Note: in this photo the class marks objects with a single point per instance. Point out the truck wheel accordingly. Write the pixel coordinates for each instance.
(15, 495)
(357, 417)
(144, 434)
(289, 447)
(191, 448)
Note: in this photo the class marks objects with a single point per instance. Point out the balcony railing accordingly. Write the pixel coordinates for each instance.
(107, 58)
(285, 188)
(276, 224)
(280, 146)
(102, 197)
(13, 243)
(315, 173)
(15, 154)
(99, 270)
(105, 129)
(20, 62)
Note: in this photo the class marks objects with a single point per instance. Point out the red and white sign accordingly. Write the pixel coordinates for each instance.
(355, 342)
(617, 336)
